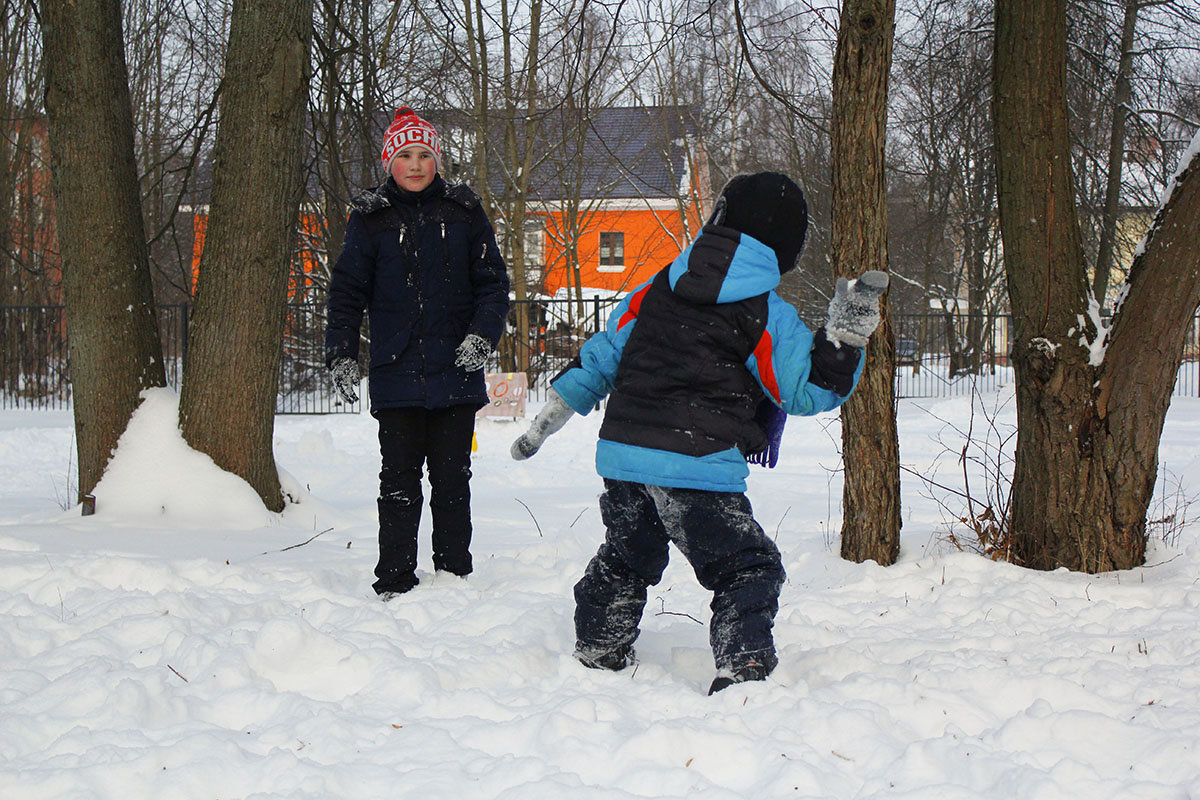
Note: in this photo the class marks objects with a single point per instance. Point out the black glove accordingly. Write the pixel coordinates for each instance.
(472, 353)
(346, 376)
(833, 366)
(549, 420)
(854, 309)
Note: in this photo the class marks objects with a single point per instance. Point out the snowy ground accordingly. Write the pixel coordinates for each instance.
(179, 645)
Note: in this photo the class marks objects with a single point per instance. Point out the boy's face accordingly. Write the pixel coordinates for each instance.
(413, 168)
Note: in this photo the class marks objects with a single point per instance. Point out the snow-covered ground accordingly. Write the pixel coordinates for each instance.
(184, 643)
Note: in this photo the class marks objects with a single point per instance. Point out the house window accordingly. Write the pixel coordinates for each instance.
(612, 251)
(533, 245)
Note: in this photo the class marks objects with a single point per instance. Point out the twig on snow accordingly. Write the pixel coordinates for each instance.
(294, 546)
(663, 612)
(531, 516)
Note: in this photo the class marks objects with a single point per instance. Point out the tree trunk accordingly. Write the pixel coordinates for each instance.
(1053, 485)
(871, 494)
(227, 406)
(114, 347)
(1116, 154)
(1087, 435)
(1143, 357)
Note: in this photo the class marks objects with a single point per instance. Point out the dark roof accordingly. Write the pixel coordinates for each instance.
(627, 152)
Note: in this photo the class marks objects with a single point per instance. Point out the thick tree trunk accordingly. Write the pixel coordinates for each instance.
(1087, 438)
(114, 347)
(227, 406)
(871, 494)
(1056, 490)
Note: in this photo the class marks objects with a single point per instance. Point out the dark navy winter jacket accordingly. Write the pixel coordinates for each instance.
(426, 269)
(688, 355)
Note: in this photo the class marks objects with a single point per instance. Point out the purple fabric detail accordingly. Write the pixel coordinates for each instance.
(771, 419)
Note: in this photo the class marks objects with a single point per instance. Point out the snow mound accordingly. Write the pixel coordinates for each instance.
(155, 478)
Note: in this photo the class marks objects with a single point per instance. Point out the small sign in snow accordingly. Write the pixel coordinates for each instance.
(507, 392)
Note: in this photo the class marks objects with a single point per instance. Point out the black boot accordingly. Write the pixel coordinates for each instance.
(615, 660)
(750, 671)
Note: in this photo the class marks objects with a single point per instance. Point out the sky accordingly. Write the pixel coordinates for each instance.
(183, 642)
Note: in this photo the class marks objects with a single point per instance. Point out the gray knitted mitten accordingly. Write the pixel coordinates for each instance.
(549, 420)
(854, 309)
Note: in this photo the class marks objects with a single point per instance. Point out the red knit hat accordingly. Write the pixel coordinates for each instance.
(406, 130)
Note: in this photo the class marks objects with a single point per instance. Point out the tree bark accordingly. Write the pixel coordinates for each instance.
(113, 343)
(1047, 288)
(871, 493)
(1143, 357)
(1087, 433)
(231, 376)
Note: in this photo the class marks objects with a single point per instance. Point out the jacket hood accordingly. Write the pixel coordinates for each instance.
(723, 265)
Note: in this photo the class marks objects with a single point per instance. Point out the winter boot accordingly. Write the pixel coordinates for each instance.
(397, 588)
(615, 660)
(750, 671)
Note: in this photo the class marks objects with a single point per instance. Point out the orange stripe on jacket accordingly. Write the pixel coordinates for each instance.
(766, 369)
(635, 305)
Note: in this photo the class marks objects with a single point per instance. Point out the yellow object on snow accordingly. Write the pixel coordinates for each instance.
(474, 443)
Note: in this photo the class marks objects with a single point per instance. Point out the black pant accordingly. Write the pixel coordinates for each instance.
(408, 439)
(718, 535)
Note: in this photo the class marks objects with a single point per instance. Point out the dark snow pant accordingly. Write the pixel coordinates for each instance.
(408, 439)
(729, 552)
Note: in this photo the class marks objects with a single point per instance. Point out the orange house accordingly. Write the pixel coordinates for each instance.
(637, 195)
(619, 245)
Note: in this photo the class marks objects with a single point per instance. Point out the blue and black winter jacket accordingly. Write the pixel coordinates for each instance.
(426, 268)
(688, 355)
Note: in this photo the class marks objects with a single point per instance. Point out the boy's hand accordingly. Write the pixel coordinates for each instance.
(346, 377)
(549, 420)
(854, 309)
(472, 353)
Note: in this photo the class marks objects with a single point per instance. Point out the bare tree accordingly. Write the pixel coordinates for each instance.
(173, 82)
(114, 347)
(1127, 62)
(783, 112)
(1088, 421)
(231, 376)
(25, 213)
(1123, 92)
(580, 85)
(941, 161)
(871, 493)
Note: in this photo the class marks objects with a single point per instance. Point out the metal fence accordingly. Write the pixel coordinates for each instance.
(937, 355)
(945, 355)
(34, 371)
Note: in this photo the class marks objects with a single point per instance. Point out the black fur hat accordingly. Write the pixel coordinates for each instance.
(768, 206)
